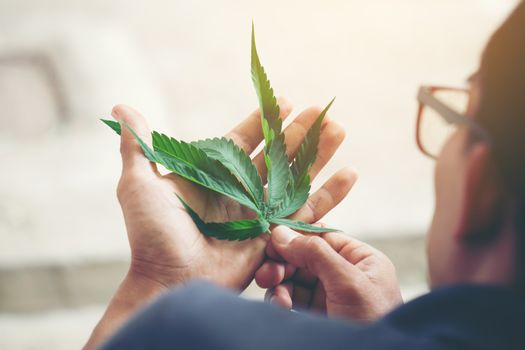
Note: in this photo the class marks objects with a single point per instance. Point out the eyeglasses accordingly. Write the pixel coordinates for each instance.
(441, 111)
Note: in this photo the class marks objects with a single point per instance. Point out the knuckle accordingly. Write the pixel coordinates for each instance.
(128, 183)
(311, 204)
(122, 188)
(299, 129)
(321, 160)
(316, 245)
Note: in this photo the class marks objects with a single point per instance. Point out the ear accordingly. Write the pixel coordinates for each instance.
(483, 204)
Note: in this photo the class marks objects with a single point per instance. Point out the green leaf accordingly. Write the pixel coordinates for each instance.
(271, 123)
(296, 195)
(238, 162)
(308, 151)
(278, 172)
(301, 226)
(192, 164)
(195, 165)
(299, 186)
(232, 230)
(219, 165)
(112, 124)
(275, 150)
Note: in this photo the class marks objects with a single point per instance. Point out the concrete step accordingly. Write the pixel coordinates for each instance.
(58, 329)
(40, 287)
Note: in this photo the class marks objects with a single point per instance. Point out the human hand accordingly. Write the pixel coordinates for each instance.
(166, 245)
(329, 273)
(167, 248)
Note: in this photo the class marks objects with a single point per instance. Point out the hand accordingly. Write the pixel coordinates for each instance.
(330, 273)
(166, 245)
(167, 248)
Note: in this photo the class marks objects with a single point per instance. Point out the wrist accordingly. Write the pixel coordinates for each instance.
(147, 271)
(135, 291)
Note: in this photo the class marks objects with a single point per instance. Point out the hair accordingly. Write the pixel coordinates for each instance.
(502, 113)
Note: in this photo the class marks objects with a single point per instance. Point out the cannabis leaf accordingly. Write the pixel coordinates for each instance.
(221, 166)
(271, 123)
(113, 125)
(278, 172)
(275, 156)
(238, 162)
(308, 151)
(299, 185)
(232, 230)
(301, 226)
(192, 164)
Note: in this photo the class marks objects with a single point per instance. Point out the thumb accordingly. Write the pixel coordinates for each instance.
(312, 253)
(133, 159)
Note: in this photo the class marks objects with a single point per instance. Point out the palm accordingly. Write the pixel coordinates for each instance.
(211, 206)
(169, 240)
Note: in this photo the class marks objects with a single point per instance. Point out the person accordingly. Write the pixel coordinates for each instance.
(180, 288)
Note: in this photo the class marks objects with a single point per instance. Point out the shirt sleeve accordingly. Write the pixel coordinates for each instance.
(203, 316)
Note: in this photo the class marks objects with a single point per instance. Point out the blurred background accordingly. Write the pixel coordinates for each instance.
(185, 66)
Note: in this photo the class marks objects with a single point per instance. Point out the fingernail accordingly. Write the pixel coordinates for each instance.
(268, 297)
(120, 111)
(115, 114)
(283, 235)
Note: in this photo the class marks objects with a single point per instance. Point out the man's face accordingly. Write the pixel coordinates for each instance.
(443, 246)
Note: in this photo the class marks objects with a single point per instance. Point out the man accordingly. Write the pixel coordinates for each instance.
(476, 245)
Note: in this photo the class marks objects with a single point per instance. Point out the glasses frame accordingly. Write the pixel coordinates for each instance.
(427, 99)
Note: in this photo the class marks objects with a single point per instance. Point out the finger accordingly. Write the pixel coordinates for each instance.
(339, 240)
(272, 254)
(321, 202)
(312, 253)
(248, 134)
(133, 159)
(270, 274)
(332, 136)
(293, 136)
(350, 248)
(281, 295)
(327, 197)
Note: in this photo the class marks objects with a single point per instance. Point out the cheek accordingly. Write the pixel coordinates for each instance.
(436, 240)
(447, 211)
(449, 179)
(442, 180)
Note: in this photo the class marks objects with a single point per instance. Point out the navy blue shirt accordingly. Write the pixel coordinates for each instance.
(203, 316)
